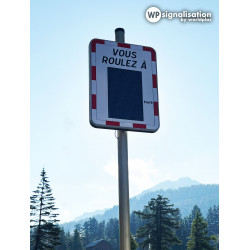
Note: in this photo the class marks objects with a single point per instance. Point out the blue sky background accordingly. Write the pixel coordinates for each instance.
(81, 161)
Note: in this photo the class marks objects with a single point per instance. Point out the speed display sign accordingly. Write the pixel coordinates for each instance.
(123, 86)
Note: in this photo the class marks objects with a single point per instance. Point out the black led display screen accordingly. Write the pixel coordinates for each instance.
(125, 94)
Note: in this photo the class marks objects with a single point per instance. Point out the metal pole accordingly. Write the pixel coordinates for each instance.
(124, 214)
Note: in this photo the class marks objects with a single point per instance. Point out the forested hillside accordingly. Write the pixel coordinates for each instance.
(178, 219)
(204, 196)
(168, 229)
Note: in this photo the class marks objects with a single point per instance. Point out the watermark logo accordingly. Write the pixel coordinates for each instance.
(154, 14)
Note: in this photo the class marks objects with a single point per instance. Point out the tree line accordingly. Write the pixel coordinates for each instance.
(158, 226)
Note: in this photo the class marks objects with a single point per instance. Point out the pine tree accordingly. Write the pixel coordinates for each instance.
(199, 239)
(180, 234)
(213, 220)
(44, 223)
(213, 223)
(101, 230)
(112, 233)
(193, 213)
(64, 241)
(80, 230)
(77, 243)
(186, 225)
(90, 231)
(133, 243)
(69, 240)
(133, 225)
(161, 223)
(135, 222)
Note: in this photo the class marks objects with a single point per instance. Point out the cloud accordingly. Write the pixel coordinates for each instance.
(65, 216)
(112, 168)
(68, 124)
(142, 174)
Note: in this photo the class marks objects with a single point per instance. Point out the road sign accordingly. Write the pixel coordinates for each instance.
(123, 86)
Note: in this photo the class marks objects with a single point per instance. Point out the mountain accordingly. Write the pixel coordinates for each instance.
(182, 182)
(91, 214)
(184, 198)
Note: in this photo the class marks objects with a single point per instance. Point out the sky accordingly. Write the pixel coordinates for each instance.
(81, 161)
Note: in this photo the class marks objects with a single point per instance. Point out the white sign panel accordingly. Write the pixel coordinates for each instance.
(123, 86)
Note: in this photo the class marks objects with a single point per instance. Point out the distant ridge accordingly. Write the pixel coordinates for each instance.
(183, 193)
(90, 214)
(182, 182)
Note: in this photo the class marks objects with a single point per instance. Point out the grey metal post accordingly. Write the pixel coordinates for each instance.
(124, 214)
